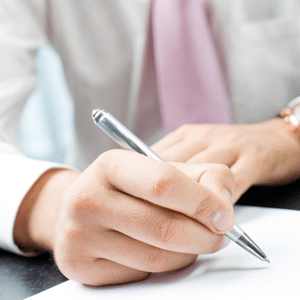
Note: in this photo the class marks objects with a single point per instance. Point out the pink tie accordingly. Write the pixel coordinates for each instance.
(190, 84)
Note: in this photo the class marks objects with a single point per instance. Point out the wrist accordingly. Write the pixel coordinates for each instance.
(35, 224)
(283, 133)
(291, 116)
(284, 153)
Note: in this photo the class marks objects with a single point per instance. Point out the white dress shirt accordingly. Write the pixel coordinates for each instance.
(101, 44)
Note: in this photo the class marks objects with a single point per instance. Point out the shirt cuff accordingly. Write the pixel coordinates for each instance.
(17, 175)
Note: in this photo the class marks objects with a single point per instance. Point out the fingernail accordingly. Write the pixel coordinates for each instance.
(226, 195)
(222, 220)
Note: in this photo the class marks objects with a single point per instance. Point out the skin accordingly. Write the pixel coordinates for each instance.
(257, 154)
(117, 222)
(126, 216)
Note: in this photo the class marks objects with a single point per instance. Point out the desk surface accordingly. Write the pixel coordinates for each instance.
(22, 277)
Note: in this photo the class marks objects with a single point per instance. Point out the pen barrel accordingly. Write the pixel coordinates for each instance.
(127, 140)
(121, 135)
(235, 233)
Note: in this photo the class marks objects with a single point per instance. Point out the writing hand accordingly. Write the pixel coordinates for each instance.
(128, 215)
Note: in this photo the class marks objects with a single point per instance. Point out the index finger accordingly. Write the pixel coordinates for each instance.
(164, 185)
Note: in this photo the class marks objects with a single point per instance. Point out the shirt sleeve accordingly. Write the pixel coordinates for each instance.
(21, 35)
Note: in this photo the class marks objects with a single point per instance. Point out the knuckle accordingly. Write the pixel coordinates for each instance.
(165, 184)
(83, 207)
(63, 263)
(156, 260)
(167, 231)
(106, 160)
(80, 203)
(205, 208)
(66, 253)
(241, 184)
(71, 268)
(224, 171)
(73, 234)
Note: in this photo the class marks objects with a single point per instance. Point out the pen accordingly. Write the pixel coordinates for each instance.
(127, 140)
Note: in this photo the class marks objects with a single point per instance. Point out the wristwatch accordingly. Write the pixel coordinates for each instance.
(291, 115)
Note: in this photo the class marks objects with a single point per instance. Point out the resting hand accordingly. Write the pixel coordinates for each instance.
(263, 153)
(128, 215)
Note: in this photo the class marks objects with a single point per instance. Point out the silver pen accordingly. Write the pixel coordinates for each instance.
(127, 140)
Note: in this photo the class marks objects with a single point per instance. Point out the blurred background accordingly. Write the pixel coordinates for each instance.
(50, 134)
(52, 131)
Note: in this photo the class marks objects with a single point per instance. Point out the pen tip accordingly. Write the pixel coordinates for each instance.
(266, 260)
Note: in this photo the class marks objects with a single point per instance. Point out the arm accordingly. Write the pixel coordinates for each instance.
(262, 153)
(20, 37)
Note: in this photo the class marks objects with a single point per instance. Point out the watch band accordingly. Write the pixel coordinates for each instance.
(291, 115)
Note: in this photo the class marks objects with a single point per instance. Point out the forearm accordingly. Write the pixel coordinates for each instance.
(282, 155)
(261, 153)
(34, 228)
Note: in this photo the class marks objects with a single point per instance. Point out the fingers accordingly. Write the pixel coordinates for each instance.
(243, 167)
(127, 212)
(180, 152)
(216, 154)
(180, 145)
(245, 171)
(99, 271)
(111, 252)
(216, 177)
(138, 255)
(168, 141)
(105, 272)
(165, 186)
(155, 226)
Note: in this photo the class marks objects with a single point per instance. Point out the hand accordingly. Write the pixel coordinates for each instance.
(128, 215)
(263, 153)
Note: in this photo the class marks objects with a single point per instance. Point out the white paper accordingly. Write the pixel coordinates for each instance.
(231, 273)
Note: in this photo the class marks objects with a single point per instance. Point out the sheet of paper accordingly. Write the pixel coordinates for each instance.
(231, 273)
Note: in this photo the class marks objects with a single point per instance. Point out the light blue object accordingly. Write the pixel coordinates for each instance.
(47, 126)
